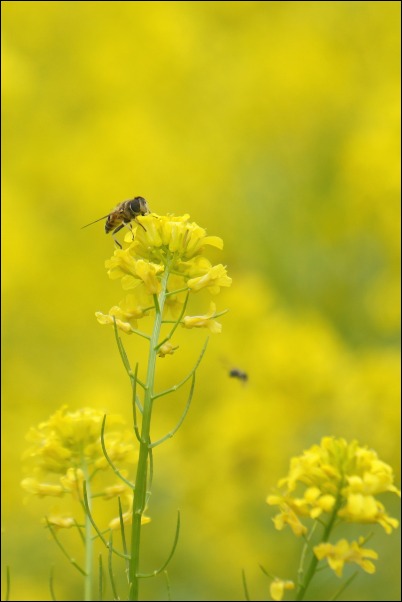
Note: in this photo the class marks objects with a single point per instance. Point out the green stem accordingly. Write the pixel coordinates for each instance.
(142, 467)
(314, 560)
(88, 543)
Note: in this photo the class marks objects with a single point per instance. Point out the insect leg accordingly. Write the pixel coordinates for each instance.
(139, 223)
(115, 232)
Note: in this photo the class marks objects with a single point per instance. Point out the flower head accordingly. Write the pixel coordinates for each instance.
(334, 476)
(66, 450)
(126, 314)
(167, 349)
(169, 249)
(205, 321)
(344, 552)
(68, 439)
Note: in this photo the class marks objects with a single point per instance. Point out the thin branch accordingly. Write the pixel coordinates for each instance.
(307, 540)
(150, 475)
(120, 346)
(169, 591)
(95, 526)
(143, 385)
(344, 586)
(163, 567)
(125, 359)
(110, 566)
(171, 433)
(62, 548)
(134, 404)
(140, 334)
(8, 584)
(169, 336)
(157, 308)
(177, 291)
(79, 529)
(123, 536)
(189, 375)
(51, 584)
(266, 572)
(100, 578)
(245, 588)
(115, 470)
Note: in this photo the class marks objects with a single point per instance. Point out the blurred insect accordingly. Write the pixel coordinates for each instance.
(122, 215)
(236, 373)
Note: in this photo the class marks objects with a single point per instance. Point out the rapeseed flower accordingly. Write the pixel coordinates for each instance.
(66, 450)
(344, 552)
(334, 477)
(169, 249)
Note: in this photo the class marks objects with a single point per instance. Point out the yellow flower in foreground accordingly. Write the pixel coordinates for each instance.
(343, 552)
(148, 272)
(278, 587)
(166, 235)
(168, 250)
(126, 313)
(334, 476)
(212, 280)
(205, 321)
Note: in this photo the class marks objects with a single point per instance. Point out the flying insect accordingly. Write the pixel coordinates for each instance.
(236, 373)
(122, 215)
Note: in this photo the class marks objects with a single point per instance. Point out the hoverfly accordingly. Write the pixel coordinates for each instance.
(122, 215)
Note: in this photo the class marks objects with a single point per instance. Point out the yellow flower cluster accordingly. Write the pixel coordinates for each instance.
(66, 449)
(170, 248)
(334, 477)
(345, 552)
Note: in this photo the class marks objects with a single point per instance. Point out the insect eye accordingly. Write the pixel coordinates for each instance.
(135, 205)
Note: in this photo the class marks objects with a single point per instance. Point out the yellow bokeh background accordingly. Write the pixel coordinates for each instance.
(276, 126)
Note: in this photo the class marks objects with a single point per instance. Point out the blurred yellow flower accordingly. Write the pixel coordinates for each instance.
(167, 349)
(288, 517)
(73, 482)
(278, 587)
(69, 445)
(60, 522)
(330, 474)
(127, 518)
(343, 551)
(33, 486)
(69, 439)
(205, 321)
(116, 490)
(366, 509)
